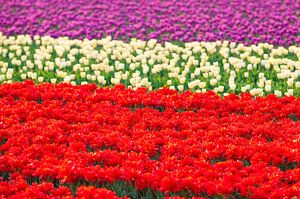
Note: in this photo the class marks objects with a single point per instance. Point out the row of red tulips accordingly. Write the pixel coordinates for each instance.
(161, 99)
(18, 188)
(166, 141)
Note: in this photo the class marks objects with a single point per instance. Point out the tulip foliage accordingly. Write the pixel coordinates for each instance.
(86, 141)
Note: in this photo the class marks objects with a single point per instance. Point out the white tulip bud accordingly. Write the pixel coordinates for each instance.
(82, 74)
(34, 75)
(290, 82)
(132, 66)
(232, 74)
(249, 67)
(145, 70)
(2, 78)
(290, 92)
(226, 66)
(3, 70)
(261, 75)
(182, 80)
(73, 83)
(232, 86)
(191, 85)
(244, 89)
(197, 71)
(213, 82)
(172, 87)
(261, 83)
(253, 92)
(23, 76)
(53, 80)
(221, 89)
(9, 75)
(180, 87)
(268, 88)
(23, 58)
(202, 85)
(278, 93)
(40, 79)
(10, 71)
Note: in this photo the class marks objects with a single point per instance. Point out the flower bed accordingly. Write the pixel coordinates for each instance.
(59, 138)
(250, 22)
(224, 67)
(150, 99)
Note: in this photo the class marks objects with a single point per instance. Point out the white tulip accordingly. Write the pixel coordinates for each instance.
(221, 89)
(278, 93)
(53, 80)
(2, 78)
(180, 87)
(40, 79)
(243, 89)
(268, 88)
(172, 87)
(232, 86)
(23, 76)
(290, 82)
(213, 82)
(9, 75)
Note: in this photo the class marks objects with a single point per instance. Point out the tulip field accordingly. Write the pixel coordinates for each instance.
(150, 99)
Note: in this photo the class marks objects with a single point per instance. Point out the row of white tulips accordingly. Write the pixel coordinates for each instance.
(222, 66)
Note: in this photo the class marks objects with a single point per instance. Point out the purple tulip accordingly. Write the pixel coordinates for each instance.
(275, 21)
